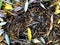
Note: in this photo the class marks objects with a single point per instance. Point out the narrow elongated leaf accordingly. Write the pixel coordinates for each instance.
(42, 5)
(26, 6)
(36, 41)
(7, 39)
(17, 8)
(2, 23)
(46, 0)
(17, 0)
(0, 3)
(29, 34)
(1, 31)
(42, 40)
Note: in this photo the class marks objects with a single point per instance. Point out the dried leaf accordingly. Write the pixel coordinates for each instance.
(49, 41)
(51, 25)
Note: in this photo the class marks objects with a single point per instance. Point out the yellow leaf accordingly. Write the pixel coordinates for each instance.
(8, 6)
(57, 10)
(59, 21)
(29, 34)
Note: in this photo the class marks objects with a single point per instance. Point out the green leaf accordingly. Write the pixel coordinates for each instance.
(0, 4)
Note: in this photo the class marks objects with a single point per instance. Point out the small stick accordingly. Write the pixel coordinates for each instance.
(51, 26)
